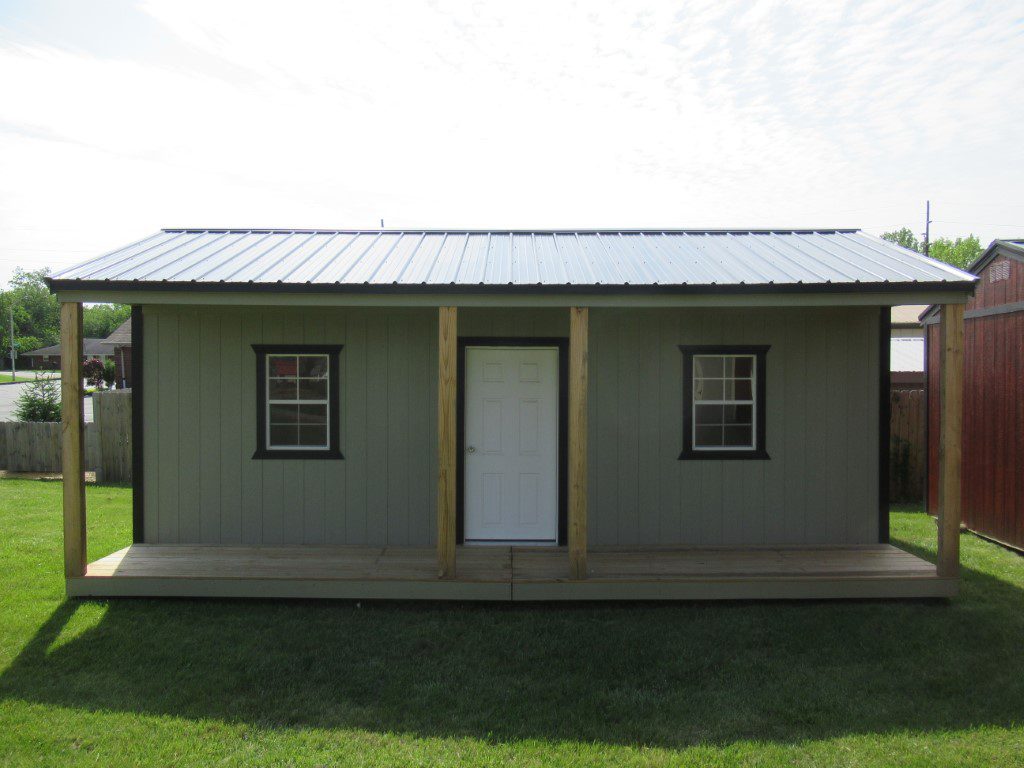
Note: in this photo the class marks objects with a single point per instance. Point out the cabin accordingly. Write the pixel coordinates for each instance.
(993, 407)
(511, 415)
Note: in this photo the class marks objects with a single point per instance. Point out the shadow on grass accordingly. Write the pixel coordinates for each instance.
(663, 675)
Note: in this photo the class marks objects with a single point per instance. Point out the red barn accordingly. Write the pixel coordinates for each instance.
(993, 427)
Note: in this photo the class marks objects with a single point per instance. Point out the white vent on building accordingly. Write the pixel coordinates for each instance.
(1000, 271)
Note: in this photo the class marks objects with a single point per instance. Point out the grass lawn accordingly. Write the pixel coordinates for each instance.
(5, 378)
(203, 683)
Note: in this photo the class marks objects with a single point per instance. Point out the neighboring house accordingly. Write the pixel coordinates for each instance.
(499, 415)
(993, 408)
(48, 358)
(120, 345)
(906, 356)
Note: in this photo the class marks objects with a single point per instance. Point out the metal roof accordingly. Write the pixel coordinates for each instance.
(525, 260)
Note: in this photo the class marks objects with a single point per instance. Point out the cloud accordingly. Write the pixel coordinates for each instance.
(526, 114)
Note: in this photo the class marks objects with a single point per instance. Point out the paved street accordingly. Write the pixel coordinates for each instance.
(9, 394)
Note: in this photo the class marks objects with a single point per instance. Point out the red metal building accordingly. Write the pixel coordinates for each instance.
(993, 429)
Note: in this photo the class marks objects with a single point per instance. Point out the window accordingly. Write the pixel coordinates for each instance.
(297, 402)
(724, 402)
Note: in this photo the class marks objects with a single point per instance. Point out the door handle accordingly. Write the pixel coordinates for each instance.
(471, 449)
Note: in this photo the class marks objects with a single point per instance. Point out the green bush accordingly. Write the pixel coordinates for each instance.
(109, 373)
(39, 401)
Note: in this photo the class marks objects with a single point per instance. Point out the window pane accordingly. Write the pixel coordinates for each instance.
(282, 389)
(284, 414)
(743, 390)
(283, 435)
(737, 414)
(314, 366)
(312, 389)
(708, 414)
(708, 437)
(313, 414)
(740, 437)
(744, 367)
(707, 389)
(313, 435)
(707, 366)
(283, 365)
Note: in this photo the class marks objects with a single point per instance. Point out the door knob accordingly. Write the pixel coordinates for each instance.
(471, 449)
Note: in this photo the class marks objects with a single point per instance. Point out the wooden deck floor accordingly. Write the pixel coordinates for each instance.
(511, 573)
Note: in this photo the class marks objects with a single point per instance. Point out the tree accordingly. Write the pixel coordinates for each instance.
(39, 401)
(37, 314)
(100, 320)
(36, 311)
(960, 253)
(903, 237)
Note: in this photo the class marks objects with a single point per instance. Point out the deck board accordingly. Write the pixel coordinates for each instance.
(503, 573)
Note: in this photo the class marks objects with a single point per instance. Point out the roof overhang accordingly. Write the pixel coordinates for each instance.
(248, 294)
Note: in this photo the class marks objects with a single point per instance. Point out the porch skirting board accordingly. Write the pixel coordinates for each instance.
(512, 573)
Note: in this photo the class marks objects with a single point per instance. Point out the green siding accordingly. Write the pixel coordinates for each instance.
(202, 485)
(820, 485)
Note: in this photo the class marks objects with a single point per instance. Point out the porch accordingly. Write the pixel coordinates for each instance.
(581, 570)
(512, 573)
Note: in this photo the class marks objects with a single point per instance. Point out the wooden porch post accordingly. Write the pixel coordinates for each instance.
(72, 438)
(578, 336)
(447, 353)
(951, 398)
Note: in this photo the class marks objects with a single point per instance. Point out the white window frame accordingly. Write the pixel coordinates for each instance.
(326, 401)
(751, 402)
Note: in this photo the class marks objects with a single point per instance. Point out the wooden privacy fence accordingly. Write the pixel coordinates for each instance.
(907, 456)
(29, 446)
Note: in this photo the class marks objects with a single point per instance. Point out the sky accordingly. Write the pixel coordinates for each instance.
(119, 118)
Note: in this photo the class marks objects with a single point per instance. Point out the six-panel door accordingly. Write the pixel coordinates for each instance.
(511, 444)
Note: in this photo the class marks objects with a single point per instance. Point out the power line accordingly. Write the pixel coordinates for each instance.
(975, 223)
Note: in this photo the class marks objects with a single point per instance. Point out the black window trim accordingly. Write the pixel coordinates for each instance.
(760, 353)
(333, 352)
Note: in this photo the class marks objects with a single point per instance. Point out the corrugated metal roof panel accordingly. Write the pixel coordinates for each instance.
(514, 258)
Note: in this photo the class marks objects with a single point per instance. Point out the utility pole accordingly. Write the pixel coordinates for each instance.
(927, 223)
(14, 352)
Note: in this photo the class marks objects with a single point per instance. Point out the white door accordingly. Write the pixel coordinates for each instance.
(511, 445)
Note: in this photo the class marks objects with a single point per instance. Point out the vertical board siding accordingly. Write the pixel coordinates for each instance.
(378, 420)
(202, 484)
(200, 431)
(208, 372)
(229, 364)
(992, 489)
(166, 403)
(354, 435)
(820, 485)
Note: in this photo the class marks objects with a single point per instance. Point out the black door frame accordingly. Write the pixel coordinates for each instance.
(562, 344)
